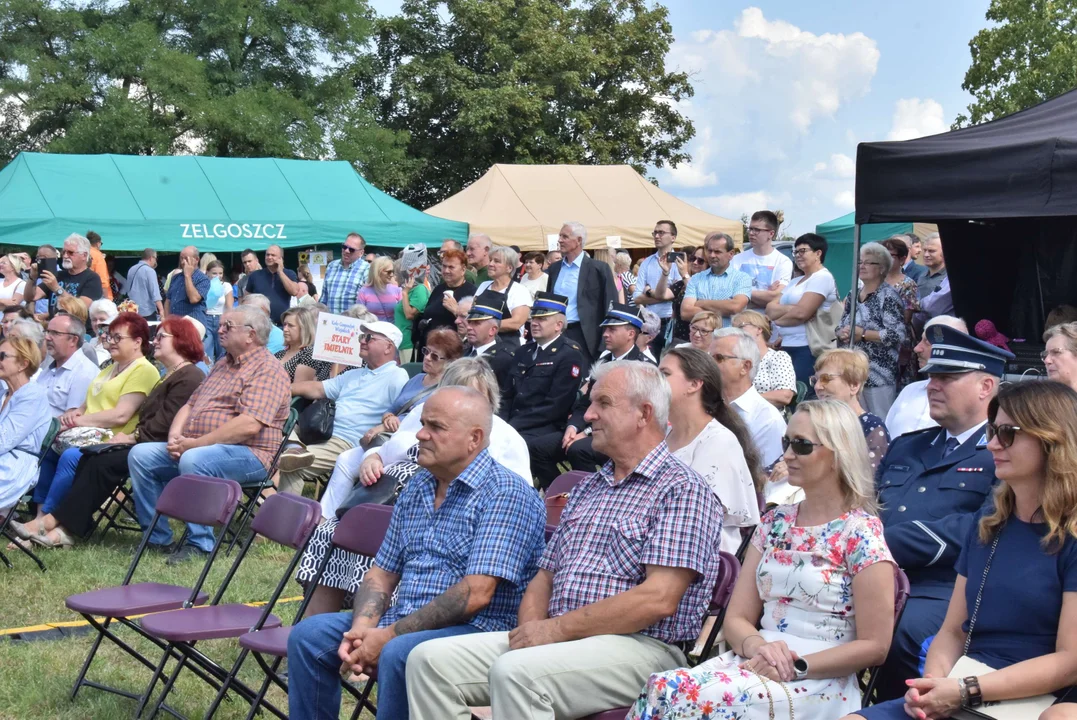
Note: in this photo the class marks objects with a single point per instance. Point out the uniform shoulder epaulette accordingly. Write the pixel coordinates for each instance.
(573, 344)
(921, 431)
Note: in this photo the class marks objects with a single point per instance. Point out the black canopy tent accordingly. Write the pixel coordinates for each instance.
(1004, 195)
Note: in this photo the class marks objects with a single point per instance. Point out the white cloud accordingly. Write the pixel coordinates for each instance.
(695, 174)
(787, 72)
(915, 118)
(839, 167)
(845, 200)
(737, 204)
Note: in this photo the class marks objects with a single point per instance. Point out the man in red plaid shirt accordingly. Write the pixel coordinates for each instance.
(622, 586)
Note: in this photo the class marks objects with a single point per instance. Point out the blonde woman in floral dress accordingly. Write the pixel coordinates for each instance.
(814, 603)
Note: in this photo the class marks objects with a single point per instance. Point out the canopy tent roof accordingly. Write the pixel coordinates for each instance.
(840, 230)
(1022, 165)
(217, 204)
(525, 204)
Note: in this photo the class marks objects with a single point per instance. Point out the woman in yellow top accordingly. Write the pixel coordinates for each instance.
(115, 395)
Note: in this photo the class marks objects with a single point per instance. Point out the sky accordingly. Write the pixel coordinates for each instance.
(785, 90)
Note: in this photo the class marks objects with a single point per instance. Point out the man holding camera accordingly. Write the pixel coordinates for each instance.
(73, 276)
(653, 269)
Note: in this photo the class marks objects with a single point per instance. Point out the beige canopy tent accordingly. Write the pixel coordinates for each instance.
(526, 205)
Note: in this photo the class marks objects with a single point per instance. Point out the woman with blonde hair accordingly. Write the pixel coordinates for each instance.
(299, 324)
(23, 425)
(1060, 355)
(1011, 628)
(814, 604)
(701, 330)
(775, 380)
(517, 298)
(380, 295)
(12, 286)
(840, 375)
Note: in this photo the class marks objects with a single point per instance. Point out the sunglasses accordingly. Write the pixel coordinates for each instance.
(345, 248)
(823, 378)
(800, 446)
(433, 354)
(1005, 433)
(4, 356)
(698, 261)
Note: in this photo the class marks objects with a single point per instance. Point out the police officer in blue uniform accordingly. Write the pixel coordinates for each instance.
(621, 327)
(930, 485)
(483, 334)
(545, 374)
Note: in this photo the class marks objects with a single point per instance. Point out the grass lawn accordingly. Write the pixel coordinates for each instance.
(36, 676)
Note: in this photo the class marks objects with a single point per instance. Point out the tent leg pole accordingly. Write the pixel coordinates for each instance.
(854, 287)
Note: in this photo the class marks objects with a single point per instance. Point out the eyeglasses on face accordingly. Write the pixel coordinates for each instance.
(870, 262)
(660, 233)
(1006, 434)
(823, 378)
(110, 338)
(55, 333)
(230, 326)
(759, 230)
(5, 355)
(348, 249)
(801, 251)
(1055, 353)
(722, 358)
(800, 446)
(433, 354)
(699, 331)
(367, 337)
(161, 335)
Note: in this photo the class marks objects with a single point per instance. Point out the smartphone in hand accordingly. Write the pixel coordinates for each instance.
(672, 257)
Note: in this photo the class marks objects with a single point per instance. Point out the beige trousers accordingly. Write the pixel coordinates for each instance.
(563, 680)
(325, 458)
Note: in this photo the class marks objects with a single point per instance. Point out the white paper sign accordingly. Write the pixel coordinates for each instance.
(551, 243)
(336, 339)
(613, 241)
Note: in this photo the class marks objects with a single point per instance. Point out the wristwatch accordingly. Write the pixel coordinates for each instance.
(800, 669)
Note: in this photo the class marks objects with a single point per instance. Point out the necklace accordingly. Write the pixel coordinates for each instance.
(182, 363)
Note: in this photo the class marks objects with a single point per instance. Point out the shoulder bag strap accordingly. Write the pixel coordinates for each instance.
(980, 593)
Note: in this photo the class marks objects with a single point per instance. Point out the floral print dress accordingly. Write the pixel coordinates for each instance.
(805, 579)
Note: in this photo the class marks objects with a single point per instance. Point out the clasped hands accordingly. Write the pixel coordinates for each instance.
(772, 660)
(179, 444)
(931, 698)
(360, 649)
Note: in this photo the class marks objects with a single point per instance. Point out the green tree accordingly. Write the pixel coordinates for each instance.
(217, 77)
(477, 82)
(1028, 55)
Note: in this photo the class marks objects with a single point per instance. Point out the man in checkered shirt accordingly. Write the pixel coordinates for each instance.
(621, 589)
(345, 276)
(463, 543)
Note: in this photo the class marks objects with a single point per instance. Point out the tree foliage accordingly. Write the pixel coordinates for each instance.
(477, 82)
(1028, 55)
(218, 77)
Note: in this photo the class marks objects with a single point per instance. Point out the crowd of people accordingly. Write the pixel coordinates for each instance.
(716, 401)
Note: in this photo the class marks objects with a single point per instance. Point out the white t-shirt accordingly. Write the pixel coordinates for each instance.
(226, 297)
(821, 282)
(7, 293)
(717, 456)
(517, 295)
(764, 270)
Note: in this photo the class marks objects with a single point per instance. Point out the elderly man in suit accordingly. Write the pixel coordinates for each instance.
(589, 287)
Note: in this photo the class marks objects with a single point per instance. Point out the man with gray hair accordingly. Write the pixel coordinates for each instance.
(188, 289)
(74, 278)
(478, 257)
(230, 428)
(621, 587)
(589, 287)
(910, 410)
(67, 372)
(737, 356)
(260, 302)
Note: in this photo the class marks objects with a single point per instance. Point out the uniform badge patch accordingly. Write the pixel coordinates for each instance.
(575, 371)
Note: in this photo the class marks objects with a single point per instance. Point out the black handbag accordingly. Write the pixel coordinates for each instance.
(315, 424)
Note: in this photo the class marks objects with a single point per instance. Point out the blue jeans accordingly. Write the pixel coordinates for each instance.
(212, 343)
(61, 479)
(803, 364)
(152, 467)
(45, 475)
(314, 667)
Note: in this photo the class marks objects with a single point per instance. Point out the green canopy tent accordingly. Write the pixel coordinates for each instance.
(839, 235)
(215, 204)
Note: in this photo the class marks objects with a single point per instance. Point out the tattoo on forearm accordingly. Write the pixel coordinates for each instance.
(448, 608)
(370, 602)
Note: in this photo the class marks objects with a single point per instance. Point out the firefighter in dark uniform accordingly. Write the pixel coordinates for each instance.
(931, 484)
(545, 372)
(572, 443)
(483, 326)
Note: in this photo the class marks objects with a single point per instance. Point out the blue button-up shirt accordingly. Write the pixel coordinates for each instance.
(177, 296)
(490, 523)
(341, 285)
(567, 282)
(362, 397)
(650, 272)
(708, 286)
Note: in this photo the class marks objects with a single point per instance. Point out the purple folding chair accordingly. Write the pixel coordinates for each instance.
(728, 572)
(562, 485)
(286, 519)
(191, 499)
(360, 531)
(901, 594)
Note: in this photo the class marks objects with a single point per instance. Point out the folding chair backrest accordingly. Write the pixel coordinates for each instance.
(728, 572)
(286, 432)
(200, 500)
(362, 529)
(564, 482)
(287, 519)
(54, 430)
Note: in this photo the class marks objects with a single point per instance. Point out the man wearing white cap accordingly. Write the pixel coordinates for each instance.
(362, 396)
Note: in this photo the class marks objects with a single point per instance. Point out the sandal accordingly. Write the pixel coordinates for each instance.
(63, 540)
(20, 529)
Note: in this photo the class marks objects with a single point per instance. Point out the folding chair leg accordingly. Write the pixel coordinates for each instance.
(6, 561)
(89, 658)
(158, 671)
(271, 676)
(25, 550)
(232, 674)
(169, 685)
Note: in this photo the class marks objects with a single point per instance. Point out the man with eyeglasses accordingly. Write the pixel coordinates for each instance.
(737, 356)
(67, 372)
(345, 276)
(721, 288)
(930, 486)
(651, 271)
(75, 277)
(769, 269)
(362, 396)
